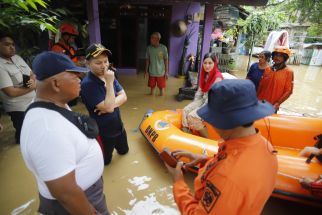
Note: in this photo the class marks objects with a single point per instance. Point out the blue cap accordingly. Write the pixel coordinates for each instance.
(48, 63)
(233, 103)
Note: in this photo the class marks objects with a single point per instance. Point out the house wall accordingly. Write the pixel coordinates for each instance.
(179, 12)
(208, 22)
(93, 19)
(176, 44)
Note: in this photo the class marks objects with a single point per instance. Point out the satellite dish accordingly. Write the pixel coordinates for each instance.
(179, 28)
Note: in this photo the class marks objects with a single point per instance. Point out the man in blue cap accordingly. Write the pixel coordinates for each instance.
(57, 145)
(241, 177)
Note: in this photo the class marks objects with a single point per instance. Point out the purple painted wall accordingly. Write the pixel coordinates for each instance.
(94, 22)
(206, 37)
(177, 43)
(179, 12)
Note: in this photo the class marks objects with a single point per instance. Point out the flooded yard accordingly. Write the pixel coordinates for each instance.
(138, 183)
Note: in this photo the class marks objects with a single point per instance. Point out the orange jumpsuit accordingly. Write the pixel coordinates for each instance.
(238, 180)
(68, 50)
(275, 86)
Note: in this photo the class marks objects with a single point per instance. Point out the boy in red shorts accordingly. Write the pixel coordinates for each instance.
(156, 64)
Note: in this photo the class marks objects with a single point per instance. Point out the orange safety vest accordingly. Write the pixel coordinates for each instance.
(59, 47)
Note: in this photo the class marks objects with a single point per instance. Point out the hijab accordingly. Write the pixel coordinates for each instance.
(205, 84)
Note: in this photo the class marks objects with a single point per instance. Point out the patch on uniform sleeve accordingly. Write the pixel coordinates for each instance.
(210, 196)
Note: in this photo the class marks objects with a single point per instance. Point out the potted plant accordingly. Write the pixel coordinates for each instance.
(227, 41)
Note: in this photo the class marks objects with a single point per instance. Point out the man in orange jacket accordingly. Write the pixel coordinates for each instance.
(241, 177)
(68, 34)
(276, 84)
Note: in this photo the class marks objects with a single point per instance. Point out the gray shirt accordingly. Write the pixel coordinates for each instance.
(11, 76)
(157, 56)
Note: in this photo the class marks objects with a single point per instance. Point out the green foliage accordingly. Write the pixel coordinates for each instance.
(314, 30)
(232, 32)
(258, 24)
(300, 11)
(25, 20)
(15, 14)
(304, 10)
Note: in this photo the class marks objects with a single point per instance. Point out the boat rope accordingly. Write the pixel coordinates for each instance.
(289, 176)
(302, 114)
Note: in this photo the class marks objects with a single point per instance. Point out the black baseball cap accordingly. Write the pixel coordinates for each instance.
(95, 50)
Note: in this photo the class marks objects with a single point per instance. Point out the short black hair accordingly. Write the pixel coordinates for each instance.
(4, 34)
(267, 55)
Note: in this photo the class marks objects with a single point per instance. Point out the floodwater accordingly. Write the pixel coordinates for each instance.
(138, 183)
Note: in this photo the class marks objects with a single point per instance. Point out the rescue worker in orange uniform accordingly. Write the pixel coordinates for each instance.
(276, 84)
(68, 34)
(241, 177)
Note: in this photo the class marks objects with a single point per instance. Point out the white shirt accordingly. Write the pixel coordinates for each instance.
(52, 147)
(11, 76)
(227, 75)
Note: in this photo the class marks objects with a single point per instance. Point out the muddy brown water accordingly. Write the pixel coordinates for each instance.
(138, 182)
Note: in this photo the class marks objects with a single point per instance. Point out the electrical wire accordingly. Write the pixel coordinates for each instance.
(269, 137)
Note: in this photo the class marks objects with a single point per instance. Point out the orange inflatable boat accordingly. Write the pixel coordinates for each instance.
(288, 134)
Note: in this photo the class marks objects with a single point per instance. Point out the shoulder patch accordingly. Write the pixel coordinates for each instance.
(210, 196)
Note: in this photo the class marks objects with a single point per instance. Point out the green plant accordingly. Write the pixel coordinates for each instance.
(228, 38)
(314, 33)
(303, 10)
(258, 24)
(232, 32)
(25, 20)
(27, 13)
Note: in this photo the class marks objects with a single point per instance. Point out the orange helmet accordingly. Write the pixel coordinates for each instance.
(283, 50)
(67, 28)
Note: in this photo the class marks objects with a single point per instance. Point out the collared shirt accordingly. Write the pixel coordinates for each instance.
(11, 76)
(238, 180)
(93, 92)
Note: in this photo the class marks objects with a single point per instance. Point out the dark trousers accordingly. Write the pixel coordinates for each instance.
(17, 120)
(109, 143)
(94, 195)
